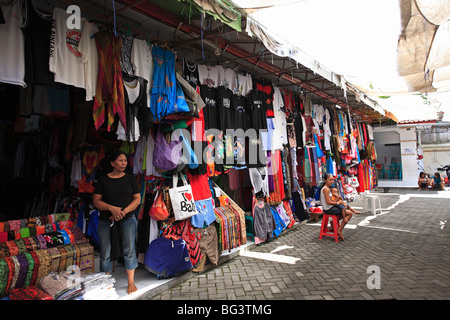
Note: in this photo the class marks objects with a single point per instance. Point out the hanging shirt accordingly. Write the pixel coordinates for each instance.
(224, 107)
(228, 78)
(209, 75)
(327, 131)
(257, 110)
(263, 221)
(65, 60)
(190, 73)
(12, 61)
(239, 104)
(89, 56)
(142, 60)
(37, 41)
(244, 84)
(280, 134)
(163, 97)
(210, 111)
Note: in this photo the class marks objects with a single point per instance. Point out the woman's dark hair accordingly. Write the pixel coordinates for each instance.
(114, 155)
(422, 174)
(326, 176)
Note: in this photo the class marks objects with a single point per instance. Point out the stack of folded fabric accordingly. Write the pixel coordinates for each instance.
(30, 250)
(91, 286)
(99, 286)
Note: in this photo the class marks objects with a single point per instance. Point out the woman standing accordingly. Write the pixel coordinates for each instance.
(117, 196)
(330, 207)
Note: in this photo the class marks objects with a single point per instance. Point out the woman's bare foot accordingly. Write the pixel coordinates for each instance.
(341, 235)
(131, 288)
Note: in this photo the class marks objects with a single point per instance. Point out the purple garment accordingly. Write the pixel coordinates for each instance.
(165, 155)
(270, 173)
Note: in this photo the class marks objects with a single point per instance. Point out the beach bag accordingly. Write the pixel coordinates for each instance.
(182, 199)
(166, 156)
(159, 210)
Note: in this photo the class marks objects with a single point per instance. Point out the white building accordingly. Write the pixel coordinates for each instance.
(410, 147)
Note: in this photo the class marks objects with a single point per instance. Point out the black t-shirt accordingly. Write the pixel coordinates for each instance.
(190, 73)
(239, 104)
(210, 111)
(116, 192)
(37, 42)
(257, 110)
(225, 109)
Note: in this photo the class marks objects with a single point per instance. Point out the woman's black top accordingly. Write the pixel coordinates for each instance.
(116, 192)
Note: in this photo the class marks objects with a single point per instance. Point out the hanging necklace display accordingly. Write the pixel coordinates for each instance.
(192, 67)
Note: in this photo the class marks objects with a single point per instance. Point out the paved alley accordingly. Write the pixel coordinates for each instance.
(399, 254)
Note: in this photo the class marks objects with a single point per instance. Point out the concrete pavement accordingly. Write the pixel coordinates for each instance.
(402, 254)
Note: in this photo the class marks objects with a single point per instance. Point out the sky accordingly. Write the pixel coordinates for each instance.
(356, 39)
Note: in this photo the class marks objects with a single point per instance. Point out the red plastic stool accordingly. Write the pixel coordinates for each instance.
(324, 231)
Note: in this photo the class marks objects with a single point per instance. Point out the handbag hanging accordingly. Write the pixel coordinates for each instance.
(182, 199)
(159, 211)
(166, 156)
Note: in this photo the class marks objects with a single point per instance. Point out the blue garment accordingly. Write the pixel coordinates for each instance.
(164, 99)
(341, 125)
(128, 231)
(329, 165)
(205, 215)
(319, 151)
(80, 220)
(279, 224)
(92, 226)
(166, 257)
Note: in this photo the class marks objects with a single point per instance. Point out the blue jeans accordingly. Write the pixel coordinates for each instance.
(129, 229)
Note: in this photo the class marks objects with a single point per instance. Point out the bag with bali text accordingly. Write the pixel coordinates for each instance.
(182, 199)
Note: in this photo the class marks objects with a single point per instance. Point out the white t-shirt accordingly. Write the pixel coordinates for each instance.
(142, 60)
(244, 84)
(280, 138)
(65, 59)
(89, 56)
(210, 75)
(327, 131)
(228, 78)
(12, 56)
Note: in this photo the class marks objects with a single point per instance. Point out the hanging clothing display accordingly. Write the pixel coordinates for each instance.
(89, 57)
(65, 59)
(12, 64)
(37, 30)
(109, 93)
(251, 151)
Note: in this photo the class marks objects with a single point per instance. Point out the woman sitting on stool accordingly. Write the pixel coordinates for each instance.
(331, 207)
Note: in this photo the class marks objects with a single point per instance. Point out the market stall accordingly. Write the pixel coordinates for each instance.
(208, 145)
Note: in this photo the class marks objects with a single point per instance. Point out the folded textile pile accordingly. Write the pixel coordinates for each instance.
(72, 286)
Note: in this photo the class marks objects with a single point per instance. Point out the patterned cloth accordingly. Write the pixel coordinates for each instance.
(29, 293)
(110, 89)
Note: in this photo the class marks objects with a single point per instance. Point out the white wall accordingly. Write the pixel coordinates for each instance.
(408, 148)
(407, 152)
